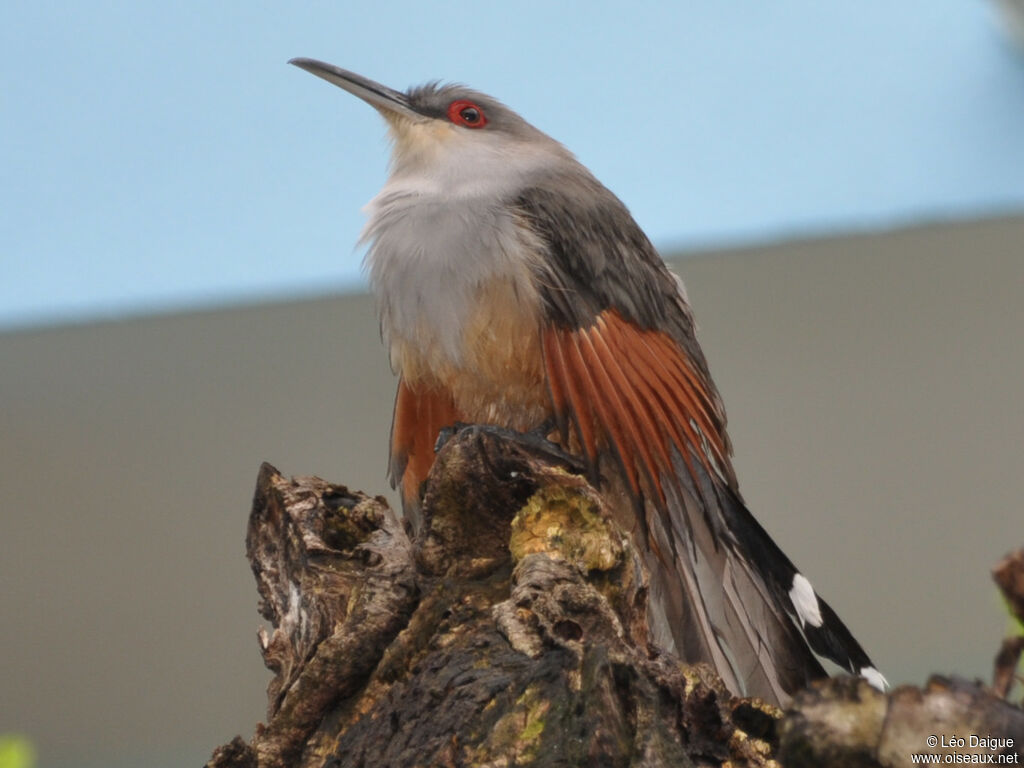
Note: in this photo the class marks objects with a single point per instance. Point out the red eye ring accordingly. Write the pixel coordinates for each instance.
(466, 113)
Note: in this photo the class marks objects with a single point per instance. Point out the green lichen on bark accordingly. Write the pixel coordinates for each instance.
(512, 632)
(515, 737)
(567, 521)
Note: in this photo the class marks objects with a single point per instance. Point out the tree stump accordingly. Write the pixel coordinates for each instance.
(513, 632)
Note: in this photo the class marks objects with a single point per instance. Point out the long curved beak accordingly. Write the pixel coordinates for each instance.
(385, 100)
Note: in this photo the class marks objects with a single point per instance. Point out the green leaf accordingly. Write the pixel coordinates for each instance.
(16, 751)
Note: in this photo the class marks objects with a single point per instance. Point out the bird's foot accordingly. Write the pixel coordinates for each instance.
(536, 441)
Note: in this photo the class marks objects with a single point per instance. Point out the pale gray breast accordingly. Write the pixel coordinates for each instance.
(429, 256)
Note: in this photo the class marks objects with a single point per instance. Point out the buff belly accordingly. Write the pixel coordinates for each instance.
(498, 375)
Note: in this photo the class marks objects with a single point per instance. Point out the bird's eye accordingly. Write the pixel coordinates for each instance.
(462, 112)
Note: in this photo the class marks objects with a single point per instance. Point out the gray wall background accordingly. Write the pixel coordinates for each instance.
(873, 385)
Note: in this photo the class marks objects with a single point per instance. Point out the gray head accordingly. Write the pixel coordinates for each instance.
(448, 132)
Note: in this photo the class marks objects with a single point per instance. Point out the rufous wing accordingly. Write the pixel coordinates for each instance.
(421, 412)
(719, 585)
(634, 393)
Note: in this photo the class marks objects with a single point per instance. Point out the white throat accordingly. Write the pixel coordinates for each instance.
(437, 236)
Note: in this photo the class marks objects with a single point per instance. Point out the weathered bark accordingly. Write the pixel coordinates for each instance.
(1009, 577)
(846, 722)
(513, 632)
(335, 576)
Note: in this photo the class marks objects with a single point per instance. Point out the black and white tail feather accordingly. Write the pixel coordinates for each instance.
(740, 602)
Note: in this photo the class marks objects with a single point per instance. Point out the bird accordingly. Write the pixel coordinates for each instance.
(515, 290)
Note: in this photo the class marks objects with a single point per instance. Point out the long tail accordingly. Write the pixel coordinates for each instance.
(642, 410)
(723, 592)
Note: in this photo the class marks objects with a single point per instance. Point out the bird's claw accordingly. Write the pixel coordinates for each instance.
(536, 441)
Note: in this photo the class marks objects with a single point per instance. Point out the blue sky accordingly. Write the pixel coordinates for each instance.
(163, 155)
